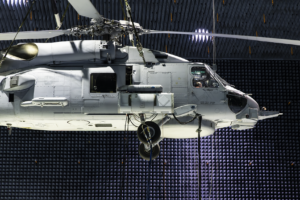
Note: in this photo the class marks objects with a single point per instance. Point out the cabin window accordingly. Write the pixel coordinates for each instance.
(103, 83)
(202, 78)
(128, 75)
(11, 97)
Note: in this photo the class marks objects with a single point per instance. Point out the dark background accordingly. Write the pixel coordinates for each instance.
(88, 165)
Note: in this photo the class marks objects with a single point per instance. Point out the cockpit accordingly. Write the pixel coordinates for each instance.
(202, 78)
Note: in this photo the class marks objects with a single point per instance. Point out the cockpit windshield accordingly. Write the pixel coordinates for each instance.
(217, 77)
(202, 78)
(222, 80)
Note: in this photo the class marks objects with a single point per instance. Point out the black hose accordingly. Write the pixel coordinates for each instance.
(184, 123)
(154, 117)
(146, 118)
(132, 122)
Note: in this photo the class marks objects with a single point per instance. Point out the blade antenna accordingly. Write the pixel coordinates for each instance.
(214, 39)
(138, 45)
(3, 58)
(57, 15)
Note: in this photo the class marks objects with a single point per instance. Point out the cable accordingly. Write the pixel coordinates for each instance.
(148, 138)
(137, 118)
(148, 184)
(62, 19)
(134, 115)
(164, 166)
(132, 122)
(212, 169)
(150, 144)
(138, 45)
(127, 131)
(195, 166)
(16, 34)
(124, 156)
(125, 122)
(217, 163)
(184, 123)
(199, 154)
(125, 18)
(154, 117)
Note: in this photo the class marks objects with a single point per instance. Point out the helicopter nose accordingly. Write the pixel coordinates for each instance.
(253, 108)
(252, 103)
(1, 79)
(261, 114)
(250, 109)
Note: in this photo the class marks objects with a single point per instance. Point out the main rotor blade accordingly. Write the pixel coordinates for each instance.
(242, 37)
(32, 34)
(85, 8)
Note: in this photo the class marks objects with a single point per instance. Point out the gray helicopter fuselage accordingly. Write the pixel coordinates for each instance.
(85, 85)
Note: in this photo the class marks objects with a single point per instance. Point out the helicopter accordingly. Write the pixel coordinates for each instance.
(97, 85)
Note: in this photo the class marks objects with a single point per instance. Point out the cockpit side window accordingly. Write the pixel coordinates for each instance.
(202, 78)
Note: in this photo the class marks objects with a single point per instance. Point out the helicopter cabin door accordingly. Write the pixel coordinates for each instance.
(160, 78)
(100, 89)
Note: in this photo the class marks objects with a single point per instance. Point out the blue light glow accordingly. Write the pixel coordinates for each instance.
(13, 2)
(200, 38)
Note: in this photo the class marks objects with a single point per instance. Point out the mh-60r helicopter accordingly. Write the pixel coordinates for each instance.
(96, 85)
